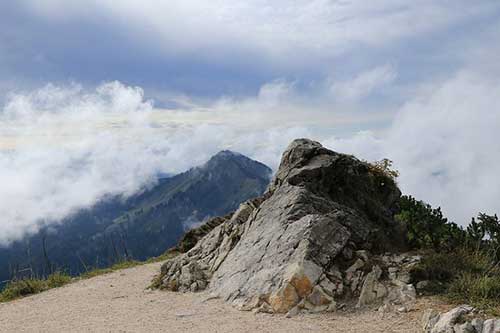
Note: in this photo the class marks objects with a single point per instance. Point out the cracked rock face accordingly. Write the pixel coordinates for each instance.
(295, 246)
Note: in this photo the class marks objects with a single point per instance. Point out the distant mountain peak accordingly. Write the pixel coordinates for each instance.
(225, 155)
(222, 158)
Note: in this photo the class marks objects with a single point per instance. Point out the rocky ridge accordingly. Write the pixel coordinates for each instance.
(322, 237)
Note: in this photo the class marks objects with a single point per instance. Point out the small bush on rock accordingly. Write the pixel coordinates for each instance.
(384, 167)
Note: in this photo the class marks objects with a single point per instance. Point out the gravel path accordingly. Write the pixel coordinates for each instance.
(118, 302)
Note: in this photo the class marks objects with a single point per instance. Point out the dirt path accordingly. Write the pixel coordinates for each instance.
(118, 302)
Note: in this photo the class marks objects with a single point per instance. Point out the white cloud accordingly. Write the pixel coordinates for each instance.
(62, 149)
(444, 142)
(364, 83)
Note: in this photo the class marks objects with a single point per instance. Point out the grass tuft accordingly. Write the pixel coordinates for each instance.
(26, 287)
(462, 276)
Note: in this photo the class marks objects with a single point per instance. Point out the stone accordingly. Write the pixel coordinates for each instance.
(356, 281)
(285, 247)
(429, 319)
(404, 277)
(358, 264)
(491, 326)
(448, 320)
(293, 312)
(421, 285)
(384, 308)
(319, 297)
(372, 290)
(347, 253)
(393, 271)
(363, 255)
(263, 308)
(464, 328)
(407, 293)
(477, 323)
(402, 309)
(330, 287)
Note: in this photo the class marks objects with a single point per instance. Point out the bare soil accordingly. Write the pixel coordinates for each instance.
(120, 302)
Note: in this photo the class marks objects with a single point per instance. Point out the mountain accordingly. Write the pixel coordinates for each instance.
(141, 226)
(323, 233)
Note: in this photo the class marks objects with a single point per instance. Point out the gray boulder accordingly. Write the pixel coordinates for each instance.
(292, 247)
(453, 321)
(491, 326)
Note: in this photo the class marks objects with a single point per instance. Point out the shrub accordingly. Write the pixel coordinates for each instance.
(427, 228)
(463, 276)
(482, 291)
(483, 234)
(446, 266)
(384, 168)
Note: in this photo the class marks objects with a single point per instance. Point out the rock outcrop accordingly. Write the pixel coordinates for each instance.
(458, 320)
(319, 236)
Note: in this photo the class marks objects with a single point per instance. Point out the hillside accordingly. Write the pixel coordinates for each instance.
(141, 226)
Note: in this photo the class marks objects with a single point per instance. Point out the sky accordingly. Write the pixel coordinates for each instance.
(98, 97)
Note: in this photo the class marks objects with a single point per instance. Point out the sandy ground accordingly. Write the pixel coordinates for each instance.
(119, 302)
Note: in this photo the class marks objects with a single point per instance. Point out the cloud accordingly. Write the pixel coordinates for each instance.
(364, 83)
(444, 143)
(222, 47)
(66, 148)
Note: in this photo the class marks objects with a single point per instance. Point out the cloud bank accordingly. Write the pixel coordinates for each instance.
(445, 143)
(64, 149)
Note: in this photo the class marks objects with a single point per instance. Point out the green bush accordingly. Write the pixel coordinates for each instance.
(427, 228)
(474, 287)
(384, 168)
(482, 291)
(463, 276)
(446, 266)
